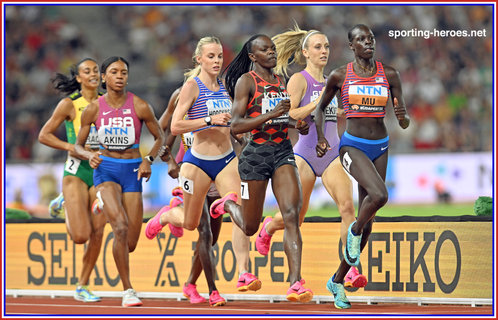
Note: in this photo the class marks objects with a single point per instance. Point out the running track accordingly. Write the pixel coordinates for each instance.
(64, 306)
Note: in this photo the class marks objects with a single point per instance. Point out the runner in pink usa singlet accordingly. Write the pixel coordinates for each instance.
(118, 129)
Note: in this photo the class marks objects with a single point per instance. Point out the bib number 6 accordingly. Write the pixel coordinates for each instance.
(187, 185)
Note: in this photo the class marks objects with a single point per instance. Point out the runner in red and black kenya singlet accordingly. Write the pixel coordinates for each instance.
(266, 97)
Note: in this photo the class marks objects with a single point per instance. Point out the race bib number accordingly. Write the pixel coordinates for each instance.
(268, 104)
(187, 185)
(72, 165)
(368, 98)
(117, 138)
(244, 190)
(93, 138)
(217, 106)
(188, 139)
(330, 111)
(346, 161)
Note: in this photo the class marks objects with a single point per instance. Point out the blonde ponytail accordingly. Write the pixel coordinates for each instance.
(289, 48)
(192, 73)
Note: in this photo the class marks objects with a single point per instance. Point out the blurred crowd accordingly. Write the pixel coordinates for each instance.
(447, 81)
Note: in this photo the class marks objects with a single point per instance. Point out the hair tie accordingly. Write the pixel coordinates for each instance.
(309, 34)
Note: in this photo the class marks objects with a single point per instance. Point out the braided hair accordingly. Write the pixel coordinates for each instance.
(239, 65)
(69, 84)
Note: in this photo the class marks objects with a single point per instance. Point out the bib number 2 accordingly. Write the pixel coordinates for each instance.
(72, 165)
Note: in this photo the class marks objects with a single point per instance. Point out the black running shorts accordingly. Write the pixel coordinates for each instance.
(259, 161)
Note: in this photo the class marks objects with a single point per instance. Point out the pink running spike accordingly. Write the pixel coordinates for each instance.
(218, 207)
(248, 281)
(176, 231)
(263, 240)
(190, 292)
(177, 192)
(298, 293)
(215, 300)
(154, 225)
(354, 279)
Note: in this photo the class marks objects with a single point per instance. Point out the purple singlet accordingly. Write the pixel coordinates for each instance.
(305, 147)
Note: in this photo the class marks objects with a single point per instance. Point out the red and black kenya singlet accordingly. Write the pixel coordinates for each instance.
(266, 97)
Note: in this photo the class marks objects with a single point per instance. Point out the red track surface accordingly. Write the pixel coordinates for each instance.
(30, 306)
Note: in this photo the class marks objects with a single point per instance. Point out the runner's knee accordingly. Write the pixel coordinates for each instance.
(346, 209)
(379, 197)
(251, 228)
(190, 226)
(291, 217)
(120, 230)
(80, 236)
(204, 232)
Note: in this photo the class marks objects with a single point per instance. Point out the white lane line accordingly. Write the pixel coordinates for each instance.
(197, 310)
(210, 309)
